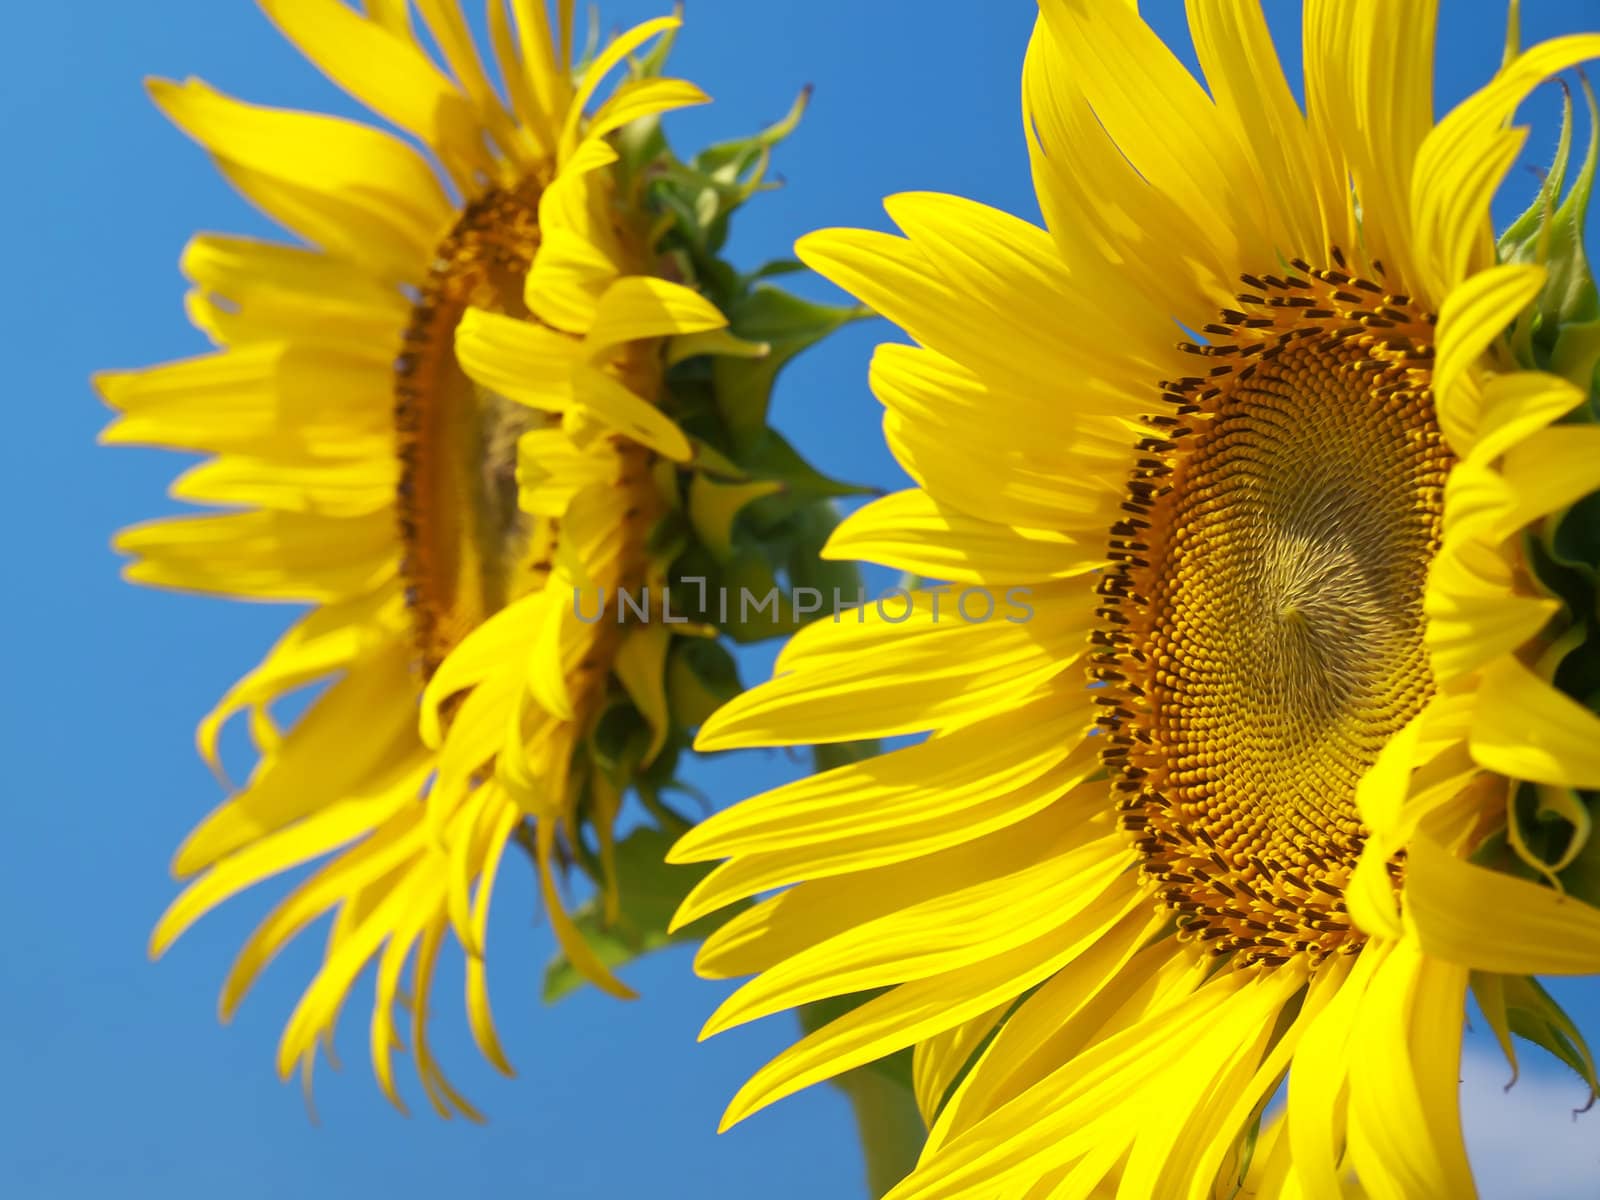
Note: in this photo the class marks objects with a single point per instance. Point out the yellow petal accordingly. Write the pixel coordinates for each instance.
(888, 796)
(916, 1010)
(880, 678)
(447, 22)
(640, 98)
(637, 307)
(900, 280)
(595, 74)
(327, 154)
(1472, 316)
(479, 1015)
(1318, 1082)
(264, 555)
(1462, 160)
(1405, 1122)
(288, 402)
(572, 944)
(1489, 921)
(1006, 268)
(517, 359)
(936, 1061)
(606, 399)
(1550, 470)
(1241, 66)
(314, 1015)
(1518, 404)
(336, 488)
(1116, 233)
(1086, 1115)
(490, 647)
(1475, 616)
(319, 834)
(387, 850)
(641, 665)
(331, 638)
(1159, 117)
(266, 285)
(1369, 89)
(342, 224)
(1524, 729)
(393, 15)
(349, 737)
(1130, 966)
(384, 70)
(912, 531)
(1066, 877)
(940, 426)
(570, 272)
(548, 79)
(551, 471)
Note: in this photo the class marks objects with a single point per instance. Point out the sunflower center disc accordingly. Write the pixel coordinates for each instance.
(1263, 632)
(469, 550)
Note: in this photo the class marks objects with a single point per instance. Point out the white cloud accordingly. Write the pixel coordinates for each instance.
(1525, 1144)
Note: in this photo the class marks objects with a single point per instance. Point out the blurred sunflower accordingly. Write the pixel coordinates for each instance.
(1329, 572)
(436, 421)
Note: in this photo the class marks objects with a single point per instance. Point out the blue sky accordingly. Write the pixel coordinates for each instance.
(118, 1074)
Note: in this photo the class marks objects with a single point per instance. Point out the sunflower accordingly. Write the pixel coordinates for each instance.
(1259, 704)
(434, 422)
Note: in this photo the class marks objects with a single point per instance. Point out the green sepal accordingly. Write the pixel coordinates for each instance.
(772, 457)
(759, 607)
(1581, 879)
(653, 62)
(741, 154)
(701, 677)
(805, 532)
(787, 325)
(650, 891)
(714, 506)
(1560, 332)
(620, 740)
(705, 192)
(1518, 1005)
(1548, 827)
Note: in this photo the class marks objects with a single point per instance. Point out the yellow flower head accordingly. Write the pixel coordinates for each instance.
(1220, 791)
(435, 422)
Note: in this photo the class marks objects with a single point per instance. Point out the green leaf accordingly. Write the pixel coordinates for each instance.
(788, 325)
(883, 1098)
(650, 892)
(843, 754)
(1517, 1004)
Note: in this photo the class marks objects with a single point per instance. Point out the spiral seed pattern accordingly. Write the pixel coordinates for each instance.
(1262, 628)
